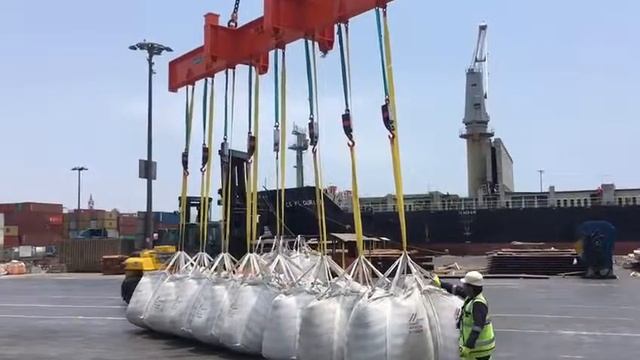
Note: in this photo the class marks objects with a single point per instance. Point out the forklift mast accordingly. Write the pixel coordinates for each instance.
(233, 170)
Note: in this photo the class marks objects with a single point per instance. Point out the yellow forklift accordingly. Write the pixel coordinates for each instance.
(140, 262)
(164, 248)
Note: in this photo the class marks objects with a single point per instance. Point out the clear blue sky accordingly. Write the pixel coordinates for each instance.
(563, 85)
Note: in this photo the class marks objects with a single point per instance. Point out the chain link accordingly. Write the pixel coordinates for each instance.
(233, 21)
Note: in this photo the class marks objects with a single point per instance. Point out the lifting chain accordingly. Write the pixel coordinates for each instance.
(233, 21)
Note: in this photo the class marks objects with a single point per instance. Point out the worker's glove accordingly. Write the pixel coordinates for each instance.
(436, 281)
(464, 352)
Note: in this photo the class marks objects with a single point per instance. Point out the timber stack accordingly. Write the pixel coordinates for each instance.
(548, 261)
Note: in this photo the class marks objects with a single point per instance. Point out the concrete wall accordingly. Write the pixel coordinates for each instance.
(504, 164)
(478, 164)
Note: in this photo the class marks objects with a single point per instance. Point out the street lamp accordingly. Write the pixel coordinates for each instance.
(148, 168)
(79, 169)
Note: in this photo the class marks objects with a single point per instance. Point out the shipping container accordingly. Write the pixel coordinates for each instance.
(85, 255)
(111, 224)
(128, 230)
(163, 217)
(129, 220)
(40, 207)
(56, 219)
(90, 214)
(42, 239)
(111, 215)
(7, 208)
(11, 230)
(83, 225)
(11, 241)
(33, 222)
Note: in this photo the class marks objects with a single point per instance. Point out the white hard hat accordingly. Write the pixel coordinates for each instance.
(473, 278)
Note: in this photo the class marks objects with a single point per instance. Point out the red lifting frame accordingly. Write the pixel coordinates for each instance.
(284, 22)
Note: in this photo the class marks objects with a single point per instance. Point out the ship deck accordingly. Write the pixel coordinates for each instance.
(72, 316)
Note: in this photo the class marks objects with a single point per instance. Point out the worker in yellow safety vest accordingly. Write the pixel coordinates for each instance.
(477, 340)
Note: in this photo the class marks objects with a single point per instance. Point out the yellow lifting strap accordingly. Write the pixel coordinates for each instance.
(248, 183)
(254, 185)
(252, 173)
(205, 186)
(185, 169)
(394, 139)
(283, 139)
(357, 216)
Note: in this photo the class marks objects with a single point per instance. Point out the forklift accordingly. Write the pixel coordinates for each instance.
(165, 246)
(233, 166)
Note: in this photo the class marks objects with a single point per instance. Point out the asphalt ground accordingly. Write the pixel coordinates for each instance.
(73, 317)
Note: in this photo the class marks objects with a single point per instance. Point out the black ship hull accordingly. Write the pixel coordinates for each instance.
(464, 230)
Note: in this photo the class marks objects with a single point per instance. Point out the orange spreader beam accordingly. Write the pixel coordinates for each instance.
(284, 22)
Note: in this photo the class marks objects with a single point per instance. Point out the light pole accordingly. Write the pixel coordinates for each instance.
(79, 169)
(148, 170)
(541, 172)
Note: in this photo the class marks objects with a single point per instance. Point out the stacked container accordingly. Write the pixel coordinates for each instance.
(37, 224)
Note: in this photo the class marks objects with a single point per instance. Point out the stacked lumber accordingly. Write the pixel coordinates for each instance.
(548, 261)
(632, 261)
(113, 264)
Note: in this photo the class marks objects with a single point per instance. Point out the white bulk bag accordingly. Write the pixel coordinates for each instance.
(390, 326)
(148, 287)
(141, 296)
(323, 326)
(281, 336)
(442, 308)
(210, 300)
(163, 304)
(280, 340)
(178, 313)
(241, 324)
(323, 329)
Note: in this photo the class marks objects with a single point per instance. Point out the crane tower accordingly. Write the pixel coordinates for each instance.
(300, 146)
(489, 165)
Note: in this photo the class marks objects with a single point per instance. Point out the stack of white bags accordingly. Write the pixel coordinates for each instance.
(298, 304)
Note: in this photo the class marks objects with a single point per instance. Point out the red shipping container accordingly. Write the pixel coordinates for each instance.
(7, 208)
(55, 219)
(129, 221)
(128, 230)
(43, 239)
(41, 207)
(30, 223)
(11, 241)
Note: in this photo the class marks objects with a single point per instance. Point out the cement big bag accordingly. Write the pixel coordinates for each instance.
(280, 340)
(386, 326)
(212, 297)
(392, 322)
(178, 314)
(442, 308)
(148, 286)
(241, 323)
(281, 335)
(323, 328)
(167, 298)
(141, 296)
